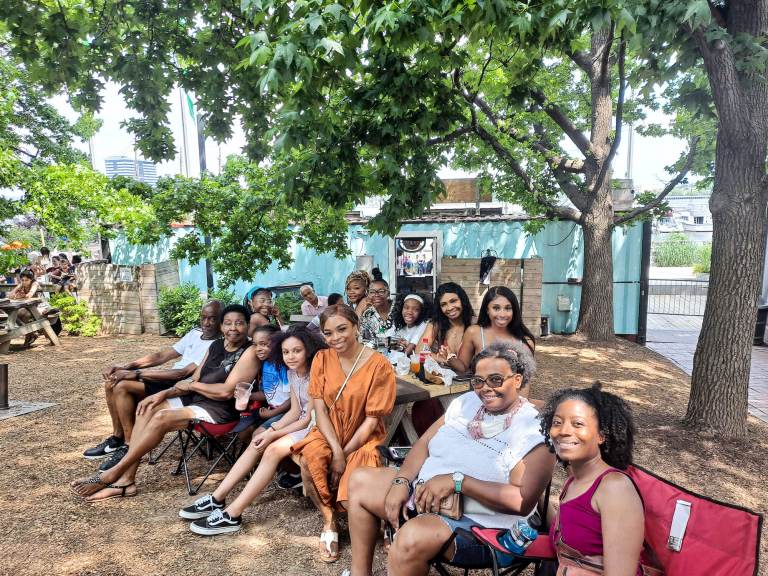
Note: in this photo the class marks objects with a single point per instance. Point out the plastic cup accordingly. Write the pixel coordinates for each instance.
(403, 366)
(415, 365)
(242, 394)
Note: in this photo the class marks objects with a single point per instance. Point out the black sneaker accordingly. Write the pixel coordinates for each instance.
(201, 508)
(114, 458)
(288, 481)
(103, 449)
(219, 522)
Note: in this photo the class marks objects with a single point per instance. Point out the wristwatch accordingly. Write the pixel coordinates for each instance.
(458, 479)
(400, 480)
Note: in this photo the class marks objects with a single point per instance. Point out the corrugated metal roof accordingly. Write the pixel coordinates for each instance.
(448, 218)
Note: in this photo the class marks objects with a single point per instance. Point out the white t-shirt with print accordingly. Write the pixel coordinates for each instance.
(192, 348)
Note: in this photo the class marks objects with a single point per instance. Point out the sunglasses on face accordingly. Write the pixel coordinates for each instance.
(493, 381)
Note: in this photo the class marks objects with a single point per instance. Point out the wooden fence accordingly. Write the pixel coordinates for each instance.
(126, 297)
(523, 277)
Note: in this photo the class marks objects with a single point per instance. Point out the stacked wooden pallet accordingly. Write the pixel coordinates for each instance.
(125, 297)
(523, 277)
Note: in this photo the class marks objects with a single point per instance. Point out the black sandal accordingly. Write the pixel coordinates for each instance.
(122, 493)
(95, 479)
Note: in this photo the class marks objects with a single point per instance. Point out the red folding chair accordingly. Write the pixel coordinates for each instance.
(218, 441)
(719, 538)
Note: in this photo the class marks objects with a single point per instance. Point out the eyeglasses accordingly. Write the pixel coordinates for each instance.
(493, 381)
(380, 292)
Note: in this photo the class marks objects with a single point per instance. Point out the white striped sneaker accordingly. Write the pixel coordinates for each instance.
(219, 522)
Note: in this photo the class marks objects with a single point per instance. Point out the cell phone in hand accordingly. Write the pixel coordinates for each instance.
(398, 453)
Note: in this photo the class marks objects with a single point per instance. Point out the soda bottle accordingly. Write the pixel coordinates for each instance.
(519, 537)
(424, 351)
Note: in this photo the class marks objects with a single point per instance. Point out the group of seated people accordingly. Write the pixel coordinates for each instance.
(323, 401)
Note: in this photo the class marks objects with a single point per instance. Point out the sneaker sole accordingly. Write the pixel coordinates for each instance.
(193, 515)
(101, 457)
(214, 531)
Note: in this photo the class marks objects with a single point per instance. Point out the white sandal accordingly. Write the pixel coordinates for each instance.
(328, 537)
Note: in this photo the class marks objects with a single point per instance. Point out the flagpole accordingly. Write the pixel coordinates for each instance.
(184, 131)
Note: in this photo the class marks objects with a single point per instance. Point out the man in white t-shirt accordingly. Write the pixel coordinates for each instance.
(128, 384)
(313, 304)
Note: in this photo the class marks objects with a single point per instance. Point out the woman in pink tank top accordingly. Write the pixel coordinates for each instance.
(601, 513)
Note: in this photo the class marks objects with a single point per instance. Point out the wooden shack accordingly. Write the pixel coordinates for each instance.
(522, 276)
(126, 297)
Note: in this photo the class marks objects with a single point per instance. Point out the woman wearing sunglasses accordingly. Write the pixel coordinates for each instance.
(487, 447)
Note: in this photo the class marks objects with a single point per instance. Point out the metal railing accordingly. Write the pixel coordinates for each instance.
(677, 297)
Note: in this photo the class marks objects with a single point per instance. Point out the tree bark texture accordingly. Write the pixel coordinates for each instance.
(720, 380)
(596, 308)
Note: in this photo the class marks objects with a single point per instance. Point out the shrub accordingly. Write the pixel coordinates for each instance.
(703, 259)
(180, 308)
(675, 250)
(288, 303)
(226, 297)
(76, 319)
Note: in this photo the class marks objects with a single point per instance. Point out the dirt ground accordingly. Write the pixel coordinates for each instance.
(47, 530)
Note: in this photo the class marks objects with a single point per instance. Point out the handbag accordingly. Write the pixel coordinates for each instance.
(313, 418)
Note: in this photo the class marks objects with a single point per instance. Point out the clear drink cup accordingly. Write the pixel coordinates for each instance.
(242, 394)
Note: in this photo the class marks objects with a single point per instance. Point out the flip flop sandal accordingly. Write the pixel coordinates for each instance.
(95, 479)
(328, 537)
(122, 494)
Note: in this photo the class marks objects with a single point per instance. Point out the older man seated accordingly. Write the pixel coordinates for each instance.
(126, 385)
(313, 304)
(209, 397)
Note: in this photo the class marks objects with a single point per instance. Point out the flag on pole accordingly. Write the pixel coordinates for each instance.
(191, 106)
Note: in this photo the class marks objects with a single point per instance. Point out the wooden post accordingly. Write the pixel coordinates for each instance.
(4, 387)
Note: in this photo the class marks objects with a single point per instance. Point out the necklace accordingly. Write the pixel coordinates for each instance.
(487, 425)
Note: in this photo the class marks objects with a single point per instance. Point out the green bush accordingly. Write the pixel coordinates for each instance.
(76, 319)
(703, 259)
(226, 297)
(288, 303)
(180, 308)
(675, 250)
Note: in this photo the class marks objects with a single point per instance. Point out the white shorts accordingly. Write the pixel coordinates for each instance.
(200, 413)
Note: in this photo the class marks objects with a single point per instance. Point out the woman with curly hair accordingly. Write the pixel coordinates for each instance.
(453, 315)
(601, 513)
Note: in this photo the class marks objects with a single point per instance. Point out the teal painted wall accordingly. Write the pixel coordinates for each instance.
(559, 244)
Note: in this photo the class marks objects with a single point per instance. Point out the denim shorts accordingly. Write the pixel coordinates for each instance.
(469, 551)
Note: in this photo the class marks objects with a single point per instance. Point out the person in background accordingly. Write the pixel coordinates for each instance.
(352, 389)
(488, 447)
(601, 513)
(356, 288)
(45, 258)
(335, 298)
(207, 398)
(499, 320)
(377, 318)
(313, 304)
(410, 320)
(263, 311)
(294, 349)
(125, 385)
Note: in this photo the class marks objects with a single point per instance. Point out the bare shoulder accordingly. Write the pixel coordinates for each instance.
(472, 332)
(616, 485)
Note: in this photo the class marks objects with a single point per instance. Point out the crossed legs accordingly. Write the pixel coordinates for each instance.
(148, 432)
(122, 399)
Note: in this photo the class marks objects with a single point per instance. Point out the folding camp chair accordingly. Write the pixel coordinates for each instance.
(686, 534)
(219, 439)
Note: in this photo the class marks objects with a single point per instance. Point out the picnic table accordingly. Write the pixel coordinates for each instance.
(46, 287)
(410, 390)
(11, 309)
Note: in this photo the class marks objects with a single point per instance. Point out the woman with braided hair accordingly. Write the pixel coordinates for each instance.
(600, 520)
(356, 288)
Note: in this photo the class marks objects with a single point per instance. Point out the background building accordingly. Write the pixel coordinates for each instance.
(142, 170)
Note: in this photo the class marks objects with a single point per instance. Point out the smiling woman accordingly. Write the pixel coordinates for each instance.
(487, 447)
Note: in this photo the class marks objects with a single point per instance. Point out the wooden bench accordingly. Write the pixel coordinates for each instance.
(39, 322)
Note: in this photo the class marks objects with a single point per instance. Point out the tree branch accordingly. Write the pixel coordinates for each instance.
(563, 213)
(559, 117)
(667, 189)
(451, 136)
(582, 60)
(485, 66)
(603, 174)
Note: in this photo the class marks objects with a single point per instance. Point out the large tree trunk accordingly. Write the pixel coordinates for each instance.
(596, 308)
(721, 365)
(720, 380)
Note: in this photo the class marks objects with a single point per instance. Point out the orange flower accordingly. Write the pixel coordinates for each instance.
(17, 244)
(6, 247)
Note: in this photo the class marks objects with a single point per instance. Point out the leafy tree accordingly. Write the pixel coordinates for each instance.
(247, 218)
(727, 97)
(362, 98)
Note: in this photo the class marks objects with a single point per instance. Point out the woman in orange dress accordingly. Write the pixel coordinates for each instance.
(349, 418)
